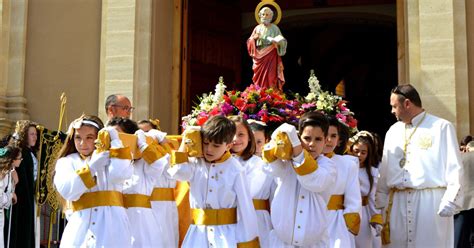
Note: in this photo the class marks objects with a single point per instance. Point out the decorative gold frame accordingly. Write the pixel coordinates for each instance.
(272, 3)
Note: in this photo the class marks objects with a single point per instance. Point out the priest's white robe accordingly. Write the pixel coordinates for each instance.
(430, 175)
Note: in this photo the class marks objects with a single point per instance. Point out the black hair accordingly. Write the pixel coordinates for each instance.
(465, 140)
(407, 91)
(153, 126)
(367, 139)
(254, 126)
(314, 119)
(126, 124)
(343, 133)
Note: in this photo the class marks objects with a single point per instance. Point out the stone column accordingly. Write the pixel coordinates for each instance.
(125, 53)
(12, 63)
(434, 56)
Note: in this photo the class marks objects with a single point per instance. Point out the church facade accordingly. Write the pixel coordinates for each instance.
(89, 49)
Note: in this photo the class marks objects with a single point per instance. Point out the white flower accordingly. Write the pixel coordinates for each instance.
(313, 82)
(220, 90)
(311, 97)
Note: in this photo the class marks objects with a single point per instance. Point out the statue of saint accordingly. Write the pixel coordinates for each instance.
(266, 45)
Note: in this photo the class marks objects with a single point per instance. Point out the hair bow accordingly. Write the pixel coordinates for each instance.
(3, 151)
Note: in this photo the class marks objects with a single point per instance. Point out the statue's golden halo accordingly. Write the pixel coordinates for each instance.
(264, 3)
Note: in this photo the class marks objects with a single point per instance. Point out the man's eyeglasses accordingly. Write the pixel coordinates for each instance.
(124, 108)
(20, 158)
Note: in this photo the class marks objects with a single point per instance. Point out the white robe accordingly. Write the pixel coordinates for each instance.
(166, 212)
(6, 192)
(432, 169)
(347, 184)
(217, 186)
(299, 208)
(104, 226)
(261, 186)
(366, 237)
(144, 226)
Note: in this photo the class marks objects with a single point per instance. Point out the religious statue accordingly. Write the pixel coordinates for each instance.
(266, 45)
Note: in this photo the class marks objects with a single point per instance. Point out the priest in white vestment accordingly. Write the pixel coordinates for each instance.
(419, 186)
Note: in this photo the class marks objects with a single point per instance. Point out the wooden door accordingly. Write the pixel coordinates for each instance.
(212, 36)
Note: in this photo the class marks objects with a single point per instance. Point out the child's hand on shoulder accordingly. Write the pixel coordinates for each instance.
(192, 141)
(290, 131)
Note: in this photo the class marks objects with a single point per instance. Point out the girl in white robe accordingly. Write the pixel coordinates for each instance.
(345, 201)
(93, 187)
(162, 198)
(303, 174)
(10, 158)
(260, 183)
(364, 147)
(137, 189)
(221, 206)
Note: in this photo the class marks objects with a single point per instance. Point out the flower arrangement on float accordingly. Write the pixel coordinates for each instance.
(327, 103)
(268, 105)
(208, 105)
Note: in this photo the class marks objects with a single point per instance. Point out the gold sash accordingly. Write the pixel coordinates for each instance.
(336, 202)
(386, 226)
(162, 194)
(223, 216)
(136, 201)
(98, 199)
(261, 204)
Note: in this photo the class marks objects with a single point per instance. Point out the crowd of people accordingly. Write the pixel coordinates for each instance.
(314, 185)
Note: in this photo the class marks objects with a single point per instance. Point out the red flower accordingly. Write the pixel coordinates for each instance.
(251, 107)
(276, 96)
(239, 103)
(351, 122)
(265, 117)
(215, 111)
(201, 120)
(227, 99)
(275, 118)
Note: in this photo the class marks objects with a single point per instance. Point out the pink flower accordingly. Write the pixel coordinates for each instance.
(342, 118)
(308, 105)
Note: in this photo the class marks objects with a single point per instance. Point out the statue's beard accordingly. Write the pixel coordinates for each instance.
(266, 21)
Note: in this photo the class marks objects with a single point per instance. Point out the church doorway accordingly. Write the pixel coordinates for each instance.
(354, 42)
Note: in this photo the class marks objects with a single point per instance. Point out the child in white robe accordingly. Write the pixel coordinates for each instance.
(299, 208)
(259, 130)
(344, 196)
(162, 198)
(260, 184)
(222, 210)
(10, 158)
(371, 218)
(137, 190)
(92, 183)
